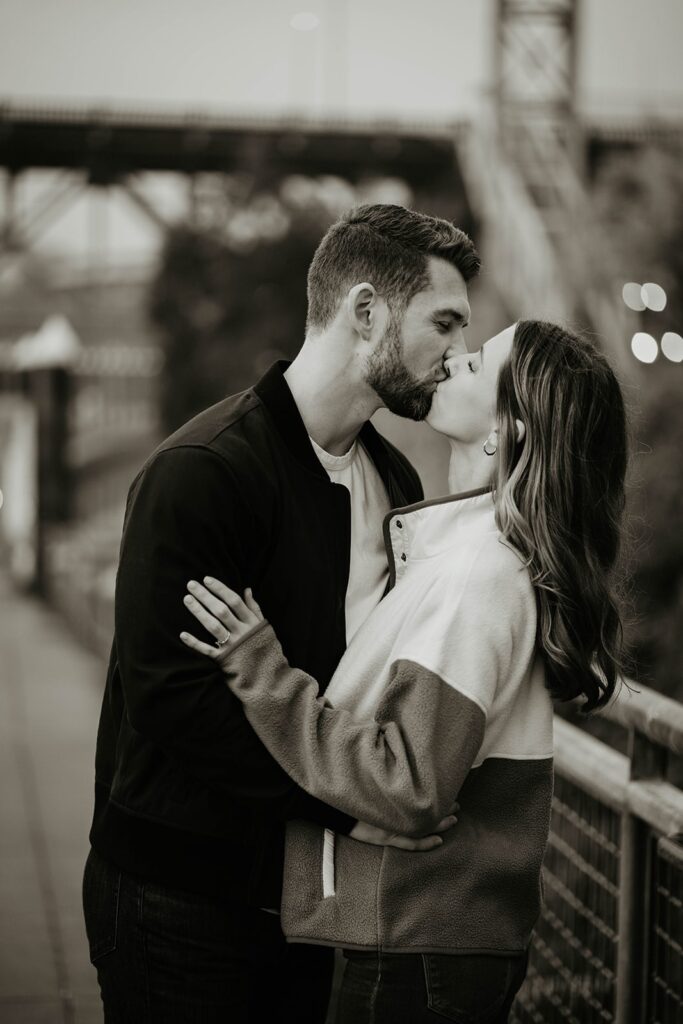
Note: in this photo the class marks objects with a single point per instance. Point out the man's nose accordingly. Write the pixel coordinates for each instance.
(456, 347)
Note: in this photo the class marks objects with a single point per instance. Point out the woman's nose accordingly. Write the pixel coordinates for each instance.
(453, 364)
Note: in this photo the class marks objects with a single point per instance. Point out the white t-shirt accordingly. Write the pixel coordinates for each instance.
(369, 568)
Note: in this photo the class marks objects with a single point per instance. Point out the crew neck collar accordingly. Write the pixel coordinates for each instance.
(334, 463)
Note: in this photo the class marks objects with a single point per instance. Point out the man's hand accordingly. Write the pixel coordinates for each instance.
(364, 833)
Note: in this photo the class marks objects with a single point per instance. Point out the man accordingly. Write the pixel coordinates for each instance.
(182, 885)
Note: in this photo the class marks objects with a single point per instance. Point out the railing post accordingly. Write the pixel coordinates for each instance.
(634, 917)
(49, 390)
(647, 760)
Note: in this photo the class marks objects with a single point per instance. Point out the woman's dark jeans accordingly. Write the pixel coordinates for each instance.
(425, 988)
(166, 957)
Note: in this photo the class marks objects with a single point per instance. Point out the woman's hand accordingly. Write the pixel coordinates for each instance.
(223, 614)
(364, 833)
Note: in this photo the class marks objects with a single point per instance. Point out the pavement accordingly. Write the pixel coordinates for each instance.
(50, 692)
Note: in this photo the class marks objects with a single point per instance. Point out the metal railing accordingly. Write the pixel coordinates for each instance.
(96, 420)
(609, 944)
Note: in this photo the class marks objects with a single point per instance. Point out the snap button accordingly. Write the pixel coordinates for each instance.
(404, 557)
(399, 524)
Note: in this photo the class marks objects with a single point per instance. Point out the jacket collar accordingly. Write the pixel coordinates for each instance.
(448, 499)
(274, 393)
(429, 528)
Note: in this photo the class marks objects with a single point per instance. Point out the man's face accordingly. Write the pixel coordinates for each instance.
(408, 362)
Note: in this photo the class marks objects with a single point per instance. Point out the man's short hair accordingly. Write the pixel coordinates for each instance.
(388, 246)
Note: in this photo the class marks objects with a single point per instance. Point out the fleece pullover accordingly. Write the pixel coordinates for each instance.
(440, 695)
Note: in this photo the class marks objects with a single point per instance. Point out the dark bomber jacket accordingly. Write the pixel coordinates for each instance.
(185, 793)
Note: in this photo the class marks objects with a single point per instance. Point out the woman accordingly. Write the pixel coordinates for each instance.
(500, 602)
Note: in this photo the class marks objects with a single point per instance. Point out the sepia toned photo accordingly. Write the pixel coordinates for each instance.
(341, 512)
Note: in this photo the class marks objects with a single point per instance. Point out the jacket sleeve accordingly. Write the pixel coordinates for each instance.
(185, 518)
(403, 770)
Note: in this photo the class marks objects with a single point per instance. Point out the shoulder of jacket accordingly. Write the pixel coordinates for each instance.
(230, 431)
(223, 419)
(497, 564)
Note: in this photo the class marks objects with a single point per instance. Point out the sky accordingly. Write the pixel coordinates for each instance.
(412, 60)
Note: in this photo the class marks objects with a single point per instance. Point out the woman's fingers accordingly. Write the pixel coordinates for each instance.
(218, 608)
(420, 845)
(199, 645)
(213, 625)
(230, 598)
(252, 604)
(446, 823)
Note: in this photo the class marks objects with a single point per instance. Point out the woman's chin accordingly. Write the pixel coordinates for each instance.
(432, 419)
(440, 424)
(435, 417)
(437, 425)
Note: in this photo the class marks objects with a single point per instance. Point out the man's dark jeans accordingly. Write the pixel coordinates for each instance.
(166, 957)
(414, 988)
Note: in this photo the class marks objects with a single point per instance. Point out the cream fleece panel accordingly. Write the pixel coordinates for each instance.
(440, 544)
(403, 769)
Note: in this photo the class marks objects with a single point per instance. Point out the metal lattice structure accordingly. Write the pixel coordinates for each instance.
(572, 974)
(114, 150)
(665, 980)
(535, 68)
(609, 944)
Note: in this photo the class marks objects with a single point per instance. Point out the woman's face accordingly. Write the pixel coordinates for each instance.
(464, 405)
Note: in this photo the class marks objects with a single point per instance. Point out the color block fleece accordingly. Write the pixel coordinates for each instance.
(441, 694)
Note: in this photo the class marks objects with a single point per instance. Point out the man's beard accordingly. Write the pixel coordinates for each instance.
(401, 393)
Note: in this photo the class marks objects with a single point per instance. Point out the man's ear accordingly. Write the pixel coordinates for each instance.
(360, 308)
(521, 431)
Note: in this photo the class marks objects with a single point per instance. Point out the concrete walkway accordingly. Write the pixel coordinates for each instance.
(50, 690)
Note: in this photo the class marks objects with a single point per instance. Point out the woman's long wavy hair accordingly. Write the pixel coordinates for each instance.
(560, 500)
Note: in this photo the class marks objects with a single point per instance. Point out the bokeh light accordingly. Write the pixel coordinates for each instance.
(304, 21)
(644, 347)
(632, 295)
(653, 296)
(672, 346)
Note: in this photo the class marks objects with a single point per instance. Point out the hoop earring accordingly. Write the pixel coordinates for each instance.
(489, 448)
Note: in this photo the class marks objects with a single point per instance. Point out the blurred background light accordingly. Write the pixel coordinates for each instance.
(304, 21)
(644, 347)
(672, 346)
(654, 296)
(632, 295)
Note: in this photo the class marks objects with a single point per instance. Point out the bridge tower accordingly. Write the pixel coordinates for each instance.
(535, 62)
(525, 169)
